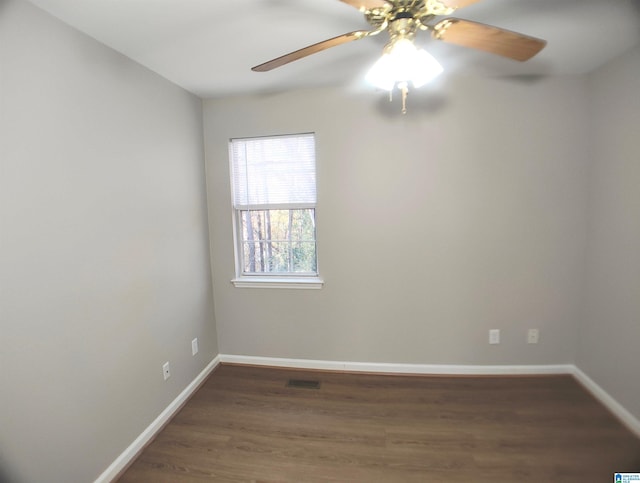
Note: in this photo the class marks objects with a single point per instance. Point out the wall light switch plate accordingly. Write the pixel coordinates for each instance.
(166, 372)
(194, 346)
(494, 336)
(533, 336)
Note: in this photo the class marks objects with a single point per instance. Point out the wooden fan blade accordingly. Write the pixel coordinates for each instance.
(366, 4)
(311, 49)
(456, 4)
(490, 39)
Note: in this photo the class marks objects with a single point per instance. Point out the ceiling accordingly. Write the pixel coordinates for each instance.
(209, 46)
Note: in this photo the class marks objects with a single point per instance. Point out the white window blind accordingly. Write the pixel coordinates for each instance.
(274, 172)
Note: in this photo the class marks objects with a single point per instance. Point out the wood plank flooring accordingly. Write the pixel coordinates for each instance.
(244, 424)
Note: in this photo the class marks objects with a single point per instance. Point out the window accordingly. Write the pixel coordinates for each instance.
(273, 183)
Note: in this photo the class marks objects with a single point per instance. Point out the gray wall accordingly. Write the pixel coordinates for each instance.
(610, 332)
(104, 262)
(468, 213)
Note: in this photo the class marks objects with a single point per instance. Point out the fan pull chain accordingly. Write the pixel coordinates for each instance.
(405, 91)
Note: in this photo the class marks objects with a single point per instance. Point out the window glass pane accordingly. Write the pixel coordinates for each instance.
(278, 241)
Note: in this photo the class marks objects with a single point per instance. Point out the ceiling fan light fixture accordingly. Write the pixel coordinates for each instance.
(403, 63)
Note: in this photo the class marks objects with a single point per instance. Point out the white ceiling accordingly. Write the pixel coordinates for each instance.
(209, 46)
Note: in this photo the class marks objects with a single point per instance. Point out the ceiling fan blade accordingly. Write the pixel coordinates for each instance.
(311, 49)
(490, 39)
(366, 4)
(456, 4)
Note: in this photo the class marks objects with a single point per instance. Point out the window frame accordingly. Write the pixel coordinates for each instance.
(288, 280)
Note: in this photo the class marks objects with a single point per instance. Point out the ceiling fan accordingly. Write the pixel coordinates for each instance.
(402, 62)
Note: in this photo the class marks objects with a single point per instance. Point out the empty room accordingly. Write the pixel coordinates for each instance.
(319, 240)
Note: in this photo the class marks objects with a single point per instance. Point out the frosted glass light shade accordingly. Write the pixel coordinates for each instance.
(404, 62)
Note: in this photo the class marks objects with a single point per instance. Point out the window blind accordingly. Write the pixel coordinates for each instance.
(274, 172)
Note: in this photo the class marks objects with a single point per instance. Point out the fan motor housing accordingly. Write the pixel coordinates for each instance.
(415, 13)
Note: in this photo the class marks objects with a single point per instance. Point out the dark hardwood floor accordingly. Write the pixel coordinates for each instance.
(244, 424)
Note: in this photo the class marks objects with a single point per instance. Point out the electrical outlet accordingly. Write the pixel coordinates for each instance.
(533, 336)
(194, 346)
(166, 372)
(494, 336)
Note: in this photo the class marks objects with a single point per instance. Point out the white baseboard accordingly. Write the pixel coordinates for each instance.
(618, 410)
(393, 368)
(147, 435)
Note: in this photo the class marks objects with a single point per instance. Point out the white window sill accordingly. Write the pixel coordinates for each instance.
(278, 282)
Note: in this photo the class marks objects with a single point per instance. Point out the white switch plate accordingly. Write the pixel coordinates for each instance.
(494, 336)
(533, 336)
(194, 346)
(166, 372)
